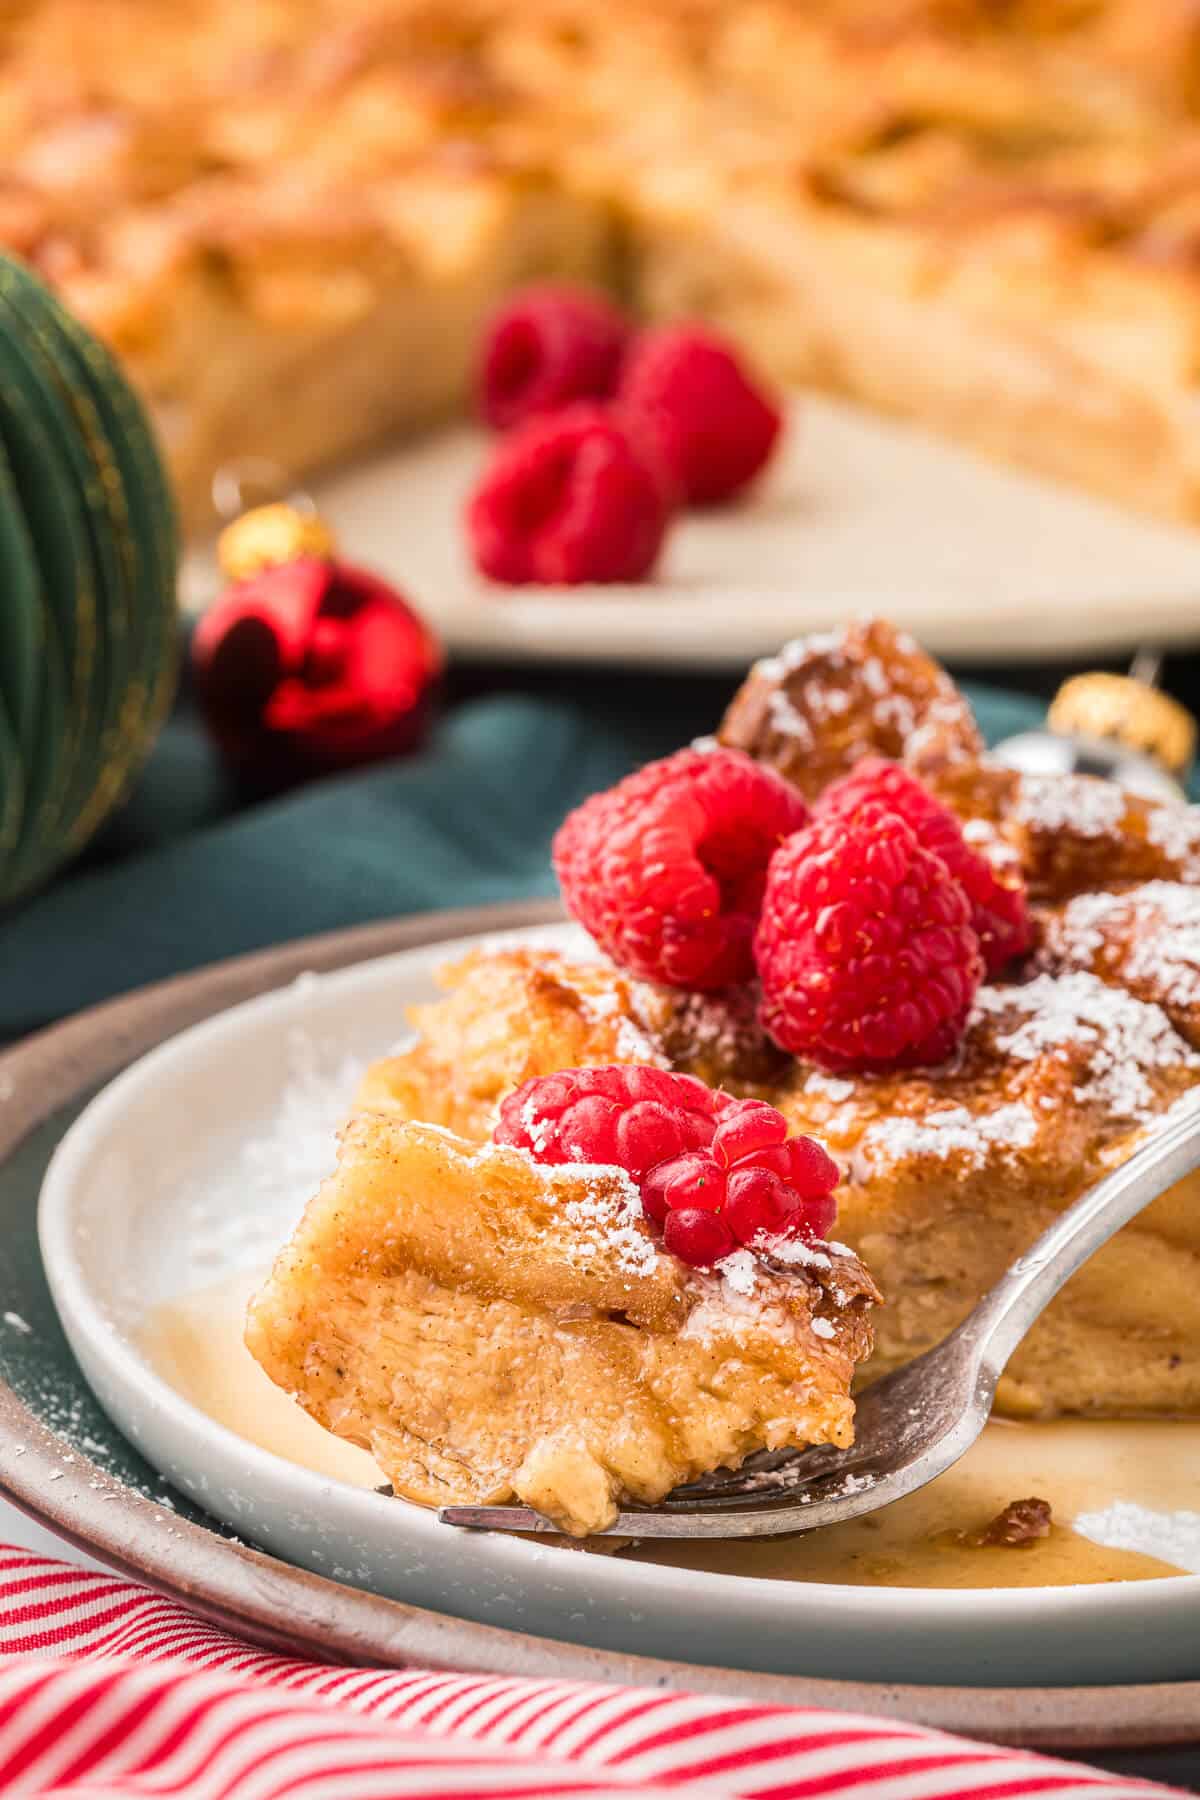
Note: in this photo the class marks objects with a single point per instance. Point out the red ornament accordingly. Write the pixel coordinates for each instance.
(313, 665)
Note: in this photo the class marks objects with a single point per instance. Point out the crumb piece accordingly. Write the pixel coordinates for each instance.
(1019, 1524)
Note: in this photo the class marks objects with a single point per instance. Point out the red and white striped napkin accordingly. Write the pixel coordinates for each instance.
(108, 1689)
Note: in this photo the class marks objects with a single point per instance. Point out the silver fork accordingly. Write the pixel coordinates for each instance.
(914, 1424)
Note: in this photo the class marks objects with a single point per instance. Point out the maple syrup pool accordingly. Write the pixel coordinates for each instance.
(1125, 1494)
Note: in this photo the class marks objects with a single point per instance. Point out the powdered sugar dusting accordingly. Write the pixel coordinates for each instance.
(1175, 830)
(953, 1130)
(735, 1304)
(829, 1087)
(740, 1270)
(276, 1173)
(840, 674)
(1080, 804)
(631, 1043)
(787, 719)
(828, 700)
(604, 1204)
(985, 837)
(595, 1212)
(797, 652)
(743, 1293)
(1158, 927)
(802, 1253)
(1172, 1537)
(536, 1130)
(1122, 1038)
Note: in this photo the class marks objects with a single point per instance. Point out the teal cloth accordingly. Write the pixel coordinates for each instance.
(185, 881)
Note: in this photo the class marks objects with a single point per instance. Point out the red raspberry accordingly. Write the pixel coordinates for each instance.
(999, 911)
(715, 1172)
(713, 427)
(866, 951)
(567, 499)
(697, 1237)
(545, 348)
(666, 870)
(752, 1184)
(634, 1117)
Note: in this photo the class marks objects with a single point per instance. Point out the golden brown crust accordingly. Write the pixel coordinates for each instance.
(513, 1014)
(508, 1015)
(825, 701)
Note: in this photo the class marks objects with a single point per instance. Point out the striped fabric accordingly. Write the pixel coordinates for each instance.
(108, 1689)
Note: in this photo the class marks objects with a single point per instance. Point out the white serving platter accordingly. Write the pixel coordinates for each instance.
(857, 515)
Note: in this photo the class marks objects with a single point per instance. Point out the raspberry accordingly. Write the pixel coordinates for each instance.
(866, 951)
(634, 1117)
(666, 870)
(714, 1172)
(713, 427)
(548, 346)
(999, 911)
(752, 1184)
(567, 499)
(697, 1237)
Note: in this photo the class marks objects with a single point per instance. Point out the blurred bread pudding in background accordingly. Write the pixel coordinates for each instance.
(289, 219)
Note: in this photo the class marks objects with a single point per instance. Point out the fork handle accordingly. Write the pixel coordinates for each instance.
(1005, 1314)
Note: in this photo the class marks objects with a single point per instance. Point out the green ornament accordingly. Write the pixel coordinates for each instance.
(88, 559)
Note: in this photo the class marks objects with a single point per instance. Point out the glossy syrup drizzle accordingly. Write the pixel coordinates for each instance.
(1081, 1467)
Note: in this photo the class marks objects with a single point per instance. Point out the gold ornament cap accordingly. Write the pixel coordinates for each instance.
(1126, 711)
(266, 536)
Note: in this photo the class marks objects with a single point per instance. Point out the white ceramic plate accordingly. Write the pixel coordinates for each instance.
(196, 1161)
(858, 515)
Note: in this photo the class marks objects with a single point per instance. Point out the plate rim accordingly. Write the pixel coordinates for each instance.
(77, 1300)
(252, 1593)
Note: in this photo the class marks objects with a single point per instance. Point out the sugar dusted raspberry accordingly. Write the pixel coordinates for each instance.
(714, 1172)
(999, 910)
(713, 425)
(865, 950)
(666, 870)
(545, 348)
(633, 1117)
(571, 498)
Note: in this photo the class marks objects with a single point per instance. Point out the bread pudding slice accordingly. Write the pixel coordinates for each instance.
(951, 1172)
(490, 1329)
